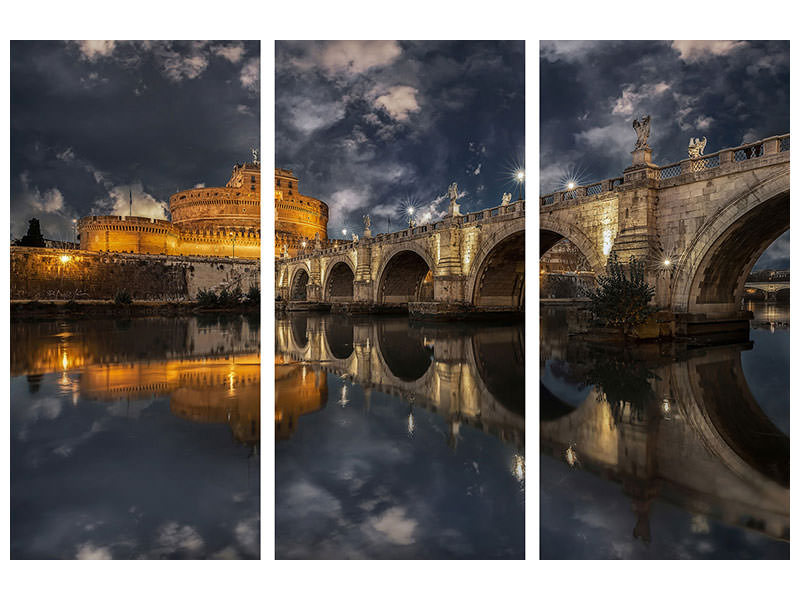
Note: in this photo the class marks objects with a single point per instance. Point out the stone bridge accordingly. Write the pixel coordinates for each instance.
(475, 380)
(465, 262)
(700, 442)
(698, 225)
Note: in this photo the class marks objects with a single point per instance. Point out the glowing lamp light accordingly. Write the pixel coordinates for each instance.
(344, 231)
(411, 210)
(667, 262)
(520, 175)
(65, 258)
(571, 185)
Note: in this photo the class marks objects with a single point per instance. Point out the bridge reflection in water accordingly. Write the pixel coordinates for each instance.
(105, 394)
(678, 428)
(398, 440)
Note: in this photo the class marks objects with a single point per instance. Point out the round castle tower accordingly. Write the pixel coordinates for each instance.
(214, 221)
(297, 217)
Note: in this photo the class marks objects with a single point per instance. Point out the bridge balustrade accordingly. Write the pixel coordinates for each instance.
(773, 145)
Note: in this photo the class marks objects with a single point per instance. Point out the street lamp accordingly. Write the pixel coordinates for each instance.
(520, 177)
(75, 229)
(410, 211)
(344, 233)
(233, 243)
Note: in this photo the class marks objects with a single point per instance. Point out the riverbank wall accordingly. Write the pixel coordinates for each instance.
(68, 274)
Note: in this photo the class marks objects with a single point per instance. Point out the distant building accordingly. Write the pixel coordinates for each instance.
(210, 221)
(298, 218)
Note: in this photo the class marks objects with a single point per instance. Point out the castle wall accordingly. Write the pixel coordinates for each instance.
(139, 235)
(215, 208)
(49, 274)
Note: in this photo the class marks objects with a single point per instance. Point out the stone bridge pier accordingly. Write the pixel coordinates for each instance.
(462, 264)
(698, 225)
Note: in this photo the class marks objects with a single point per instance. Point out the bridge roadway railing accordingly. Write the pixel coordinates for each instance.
(488, 215)
(768, 146)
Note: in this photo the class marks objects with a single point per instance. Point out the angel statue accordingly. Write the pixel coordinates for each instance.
(642, 132)
(367, 222)
(452, 191)
(696, 147)
(255, 155)
(506, 199)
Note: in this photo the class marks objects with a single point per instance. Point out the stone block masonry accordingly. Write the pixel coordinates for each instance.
(53, 274)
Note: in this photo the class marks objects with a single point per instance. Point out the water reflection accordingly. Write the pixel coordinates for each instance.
(692, 442)
(398, 440)
(148, 429)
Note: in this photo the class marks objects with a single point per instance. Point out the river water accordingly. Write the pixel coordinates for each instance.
(398, 440)
(674, 452)
(135, 438)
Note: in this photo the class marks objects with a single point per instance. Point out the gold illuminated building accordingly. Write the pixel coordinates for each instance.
(299, 390)
(210, 221)
(298, 218)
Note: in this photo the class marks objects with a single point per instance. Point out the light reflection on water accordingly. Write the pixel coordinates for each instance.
(673, 453)
(396, 440)
(136, 438)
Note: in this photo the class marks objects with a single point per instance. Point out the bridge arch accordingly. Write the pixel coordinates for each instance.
(339, 280)
(711, 272)
(299, 281)
(402, 352)
(505, 247)
(551, 230)
(405, 275)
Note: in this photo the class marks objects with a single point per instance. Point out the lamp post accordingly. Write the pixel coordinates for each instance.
(520, 177)
(75, 229)
(233, 243)
(410, 216)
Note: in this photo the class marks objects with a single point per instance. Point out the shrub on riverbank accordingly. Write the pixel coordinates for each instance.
(622, 300)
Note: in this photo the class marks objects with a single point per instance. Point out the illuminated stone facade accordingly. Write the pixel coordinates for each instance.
(298, 218)
(698, 225)
(213, 221)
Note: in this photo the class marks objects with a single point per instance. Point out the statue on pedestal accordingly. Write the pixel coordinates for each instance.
(696, 147)
(506, 199)
(642, 132)
(452, 191)
(367, 225)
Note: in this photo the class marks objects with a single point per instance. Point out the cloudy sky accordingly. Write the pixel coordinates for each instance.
(92, 120)
(729, 92)
(368, 126)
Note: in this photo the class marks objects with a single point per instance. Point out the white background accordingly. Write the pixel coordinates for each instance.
(409, 20)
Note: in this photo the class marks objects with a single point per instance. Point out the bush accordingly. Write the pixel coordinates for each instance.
(123, 297)
(622, 301)
(207, 298)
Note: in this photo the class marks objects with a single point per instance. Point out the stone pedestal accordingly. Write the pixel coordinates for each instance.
(642, 156)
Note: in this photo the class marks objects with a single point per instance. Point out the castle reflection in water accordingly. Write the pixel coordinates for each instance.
(472, 376)
(208, 375)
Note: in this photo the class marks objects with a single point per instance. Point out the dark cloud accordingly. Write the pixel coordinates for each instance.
(91, 120)
(367, 125)
(729, 92)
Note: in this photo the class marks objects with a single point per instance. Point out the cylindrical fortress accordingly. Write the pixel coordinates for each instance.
(217, 221)
(297, 217)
